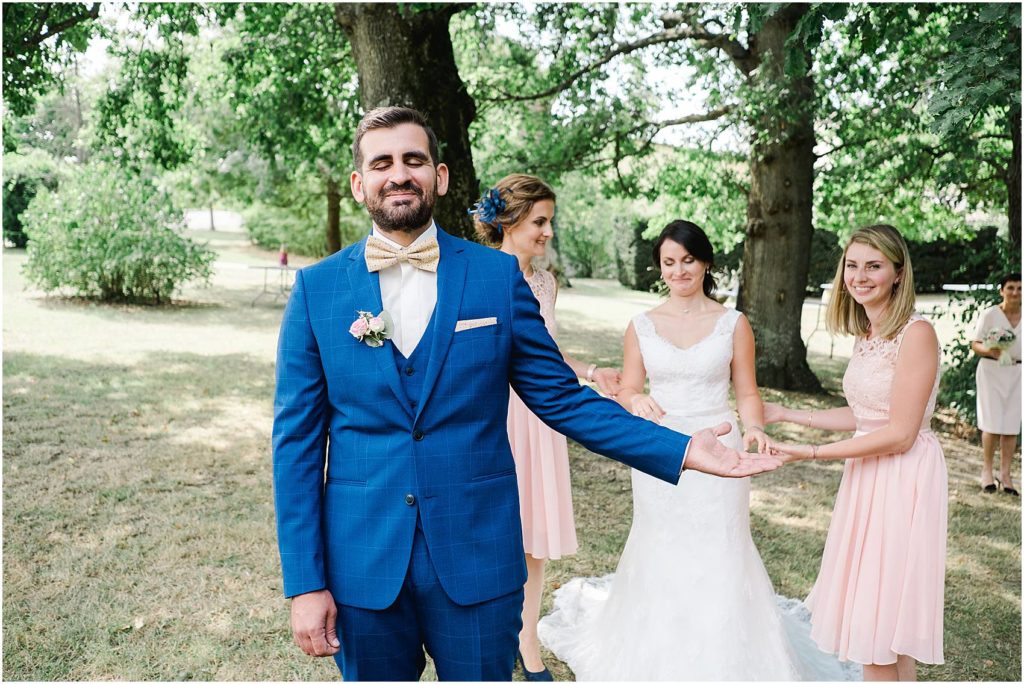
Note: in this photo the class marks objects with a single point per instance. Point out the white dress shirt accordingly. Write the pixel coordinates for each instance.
(408, 294)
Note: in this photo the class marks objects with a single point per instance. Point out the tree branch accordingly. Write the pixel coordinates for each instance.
(92, 13)
(669, 35)
(740, 54)
(713, 115)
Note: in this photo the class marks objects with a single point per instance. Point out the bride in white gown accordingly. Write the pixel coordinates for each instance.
(690, 599)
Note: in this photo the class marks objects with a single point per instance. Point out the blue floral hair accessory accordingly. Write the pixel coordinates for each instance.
(488, 208)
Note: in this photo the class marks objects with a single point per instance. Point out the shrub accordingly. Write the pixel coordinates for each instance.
(957, 388)
(633, 257)
(269, 226)
(24, 175)
(110, 236)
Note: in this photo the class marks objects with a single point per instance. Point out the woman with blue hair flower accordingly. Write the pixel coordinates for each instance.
(516, 215)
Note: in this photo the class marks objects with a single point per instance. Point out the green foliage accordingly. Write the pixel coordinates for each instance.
(293, 82)
(703, 186)
(24, 175)
(633, 257)
(986, 264)
(886, 157)
(40, 39)
(292, 213)
(587, 225)
(109, 236)
(270, 227)
(986, 73)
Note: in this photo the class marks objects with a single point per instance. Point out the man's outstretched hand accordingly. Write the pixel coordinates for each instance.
(707, 455)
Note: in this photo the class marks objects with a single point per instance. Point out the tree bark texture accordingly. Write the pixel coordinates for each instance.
(1013, 179)
(777, 248)
(404, 57)
(333, 214)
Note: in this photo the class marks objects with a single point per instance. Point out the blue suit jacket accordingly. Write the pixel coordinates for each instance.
(339, 407)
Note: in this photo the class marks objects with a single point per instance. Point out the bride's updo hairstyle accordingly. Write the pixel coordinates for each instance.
(845, 316)
(508, 203)
(696, 242)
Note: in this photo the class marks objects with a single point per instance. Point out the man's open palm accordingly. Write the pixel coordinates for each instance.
(708, 455)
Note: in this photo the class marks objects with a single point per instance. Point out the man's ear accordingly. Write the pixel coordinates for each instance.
(355, 181)
(442, 179)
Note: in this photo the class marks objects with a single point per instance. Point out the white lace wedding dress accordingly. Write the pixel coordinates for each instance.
(690, 599)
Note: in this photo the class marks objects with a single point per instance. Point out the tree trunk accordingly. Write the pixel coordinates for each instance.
(404, 57)
(1013, 179)
(212, 226)
(777, 248)
(333, 215)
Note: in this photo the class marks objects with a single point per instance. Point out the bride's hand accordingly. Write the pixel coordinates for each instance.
(608, 380)
(643, 406)
(756, 435)
(774, 413)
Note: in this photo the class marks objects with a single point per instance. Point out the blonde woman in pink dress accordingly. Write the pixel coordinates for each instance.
(879, 594)
(517, 215)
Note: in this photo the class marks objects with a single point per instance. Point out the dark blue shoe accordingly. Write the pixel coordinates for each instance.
(542, 676)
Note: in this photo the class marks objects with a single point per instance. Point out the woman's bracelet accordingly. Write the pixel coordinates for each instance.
(814, 452)
(756, 427)
(590, 372)
(810, 419)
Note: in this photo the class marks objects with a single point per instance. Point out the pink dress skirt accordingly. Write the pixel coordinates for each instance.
(545, 494)
(542, 459)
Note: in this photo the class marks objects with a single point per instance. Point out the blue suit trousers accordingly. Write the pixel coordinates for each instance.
(467, 643)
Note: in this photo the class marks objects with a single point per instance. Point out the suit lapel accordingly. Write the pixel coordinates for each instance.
(366, 292)
(451, 278)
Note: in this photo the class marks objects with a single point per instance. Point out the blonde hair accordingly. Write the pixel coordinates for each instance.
(520, 192)
(845, 316)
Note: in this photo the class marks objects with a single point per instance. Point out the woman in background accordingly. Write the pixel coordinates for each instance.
(516, 214)
(999, 383)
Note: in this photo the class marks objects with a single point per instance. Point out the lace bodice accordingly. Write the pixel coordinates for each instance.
(545, 287)
(869, 377)
(692, 381)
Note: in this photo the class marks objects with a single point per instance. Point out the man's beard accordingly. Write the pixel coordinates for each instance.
(405, 218)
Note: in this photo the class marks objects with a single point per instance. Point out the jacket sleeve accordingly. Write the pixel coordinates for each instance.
(299, 447)
(546, 384)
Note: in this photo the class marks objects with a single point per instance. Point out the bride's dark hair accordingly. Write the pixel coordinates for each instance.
(696, 242)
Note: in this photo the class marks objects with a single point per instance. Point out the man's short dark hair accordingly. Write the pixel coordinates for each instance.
(390, 117)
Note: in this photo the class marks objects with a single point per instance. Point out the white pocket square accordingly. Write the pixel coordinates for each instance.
(471, 323)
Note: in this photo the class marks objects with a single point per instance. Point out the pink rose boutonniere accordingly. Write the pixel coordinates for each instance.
(372, 330)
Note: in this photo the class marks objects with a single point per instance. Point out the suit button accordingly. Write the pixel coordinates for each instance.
(410, 499)
(409, 370)
(418, 436)
(413, 403)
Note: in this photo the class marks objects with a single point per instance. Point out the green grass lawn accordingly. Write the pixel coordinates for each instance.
(138, 523)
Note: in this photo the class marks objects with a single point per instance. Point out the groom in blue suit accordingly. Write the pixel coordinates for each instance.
(394, 486)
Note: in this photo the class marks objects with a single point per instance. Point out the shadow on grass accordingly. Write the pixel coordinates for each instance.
(138, 526)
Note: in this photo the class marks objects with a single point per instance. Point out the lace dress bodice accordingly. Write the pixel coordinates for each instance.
(868, 382)
(692, 381)
(545, 287)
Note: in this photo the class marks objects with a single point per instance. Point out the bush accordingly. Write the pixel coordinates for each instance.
(633, 257)
(957, 389)
(106, 235)
(270, 226)
(24, 175)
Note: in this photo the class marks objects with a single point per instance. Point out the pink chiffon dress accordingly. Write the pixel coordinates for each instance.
(542, 459)
(880, 588)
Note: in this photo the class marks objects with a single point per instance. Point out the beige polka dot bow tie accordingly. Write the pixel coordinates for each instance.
(381, 255)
